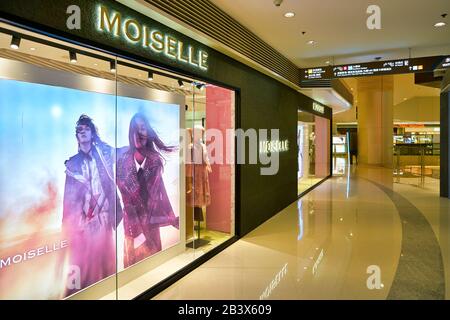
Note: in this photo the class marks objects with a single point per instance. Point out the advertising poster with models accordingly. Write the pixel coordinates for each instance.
(89, 185)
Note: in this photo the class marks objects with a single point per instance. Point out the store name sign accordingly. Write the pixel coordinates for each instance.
(136, 33)
(318, 108)
(274, 146)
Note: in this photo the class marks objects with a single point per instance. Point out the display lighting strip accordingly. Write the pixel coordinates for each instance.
(113, 62)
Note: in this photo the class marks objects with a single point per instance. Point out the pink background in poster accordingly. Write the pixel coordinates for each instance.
(219, 102)
(322, 146)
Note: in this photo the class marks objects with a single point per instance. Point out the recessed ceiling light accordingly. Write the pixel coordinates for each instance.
(440, 24)
(32, 49)
(289, 14)
(327, 62)
(311, 42)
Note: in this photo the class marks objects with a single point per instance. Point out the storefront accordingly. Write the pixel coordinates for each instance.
(118, 138)
(314, 145)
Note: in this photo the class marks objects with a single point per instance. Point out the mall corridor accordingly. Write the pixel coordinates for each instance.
(321, 246)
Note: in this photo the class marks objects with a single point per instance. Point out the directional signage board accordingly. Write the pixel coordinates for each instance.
(317, 73)
(413, 65)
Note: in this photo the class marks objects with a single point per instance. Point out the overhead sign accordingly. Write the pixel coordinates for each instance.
(316, 73)
(413, 65)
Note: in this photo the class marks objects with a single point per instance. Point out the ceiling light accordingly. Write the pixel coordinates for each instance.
(327, 62)
(112, 66)
(32, 49)
(180, 84)
(311, 42)
(150, 76)
(15, 42)
(72, 57)
(440, 24)
(289, 14)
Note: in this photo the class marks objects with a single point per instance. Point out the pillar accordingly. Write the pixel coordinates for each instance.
(375, 120)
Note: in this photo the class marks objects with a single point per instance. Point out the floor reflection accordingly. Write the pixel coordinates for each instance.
(331, 243)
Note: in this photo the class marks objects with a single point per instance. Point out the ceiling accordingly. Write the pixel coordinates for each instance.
(340, 31)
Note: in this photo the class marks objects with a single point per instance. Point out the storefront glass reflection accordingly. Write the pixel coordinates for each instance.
(313, 141)
(102, 203)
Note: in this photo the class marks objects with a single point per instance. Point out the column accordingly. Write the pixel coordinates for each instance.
(375, 120)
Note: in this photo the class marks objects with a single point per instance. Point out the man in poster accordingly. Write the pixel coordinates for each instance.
(89, 206)
(146, 204)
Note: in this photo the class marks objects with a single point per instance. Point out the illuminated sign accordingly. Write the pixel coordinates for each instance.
(273, 146)
(318, 108)
(157, 42)
(316, 73)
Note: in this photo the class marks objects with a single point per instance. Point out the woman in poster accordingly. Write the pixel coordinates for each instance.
(146, 204)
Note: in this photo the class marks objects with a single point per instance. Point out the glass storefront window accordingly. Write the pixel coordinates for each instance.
(313, 141)
(104, 201)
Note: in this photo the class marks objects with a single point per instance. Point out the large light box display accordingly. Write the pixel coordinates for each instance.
(89, 186)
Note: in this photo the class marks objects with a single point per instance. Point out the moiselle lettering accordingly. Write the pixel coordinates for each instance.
(134, 32)
(32, 254)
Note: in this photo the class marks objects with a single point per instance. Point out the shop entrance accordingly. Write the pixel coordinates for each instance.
(120, 181)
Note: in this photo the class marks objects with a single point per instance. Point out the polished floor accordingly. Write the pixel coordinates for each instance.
(361, 235)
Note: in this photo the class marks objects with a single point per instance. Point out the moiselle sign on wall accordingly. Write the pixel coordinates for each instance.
(318, 108)
(274, 146)
(157, 42)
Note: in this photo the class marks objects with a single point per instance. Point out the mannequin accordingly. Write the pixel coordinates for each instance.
(199, 197)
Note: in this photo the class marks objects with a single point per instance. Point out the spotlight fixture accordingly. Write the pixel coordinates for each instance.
(73, 57)
(277, 2)
(440, 24)
(200, 86)
(112, 66)
(180, 84)
(150, 76)
(289, 14)
(15, 42)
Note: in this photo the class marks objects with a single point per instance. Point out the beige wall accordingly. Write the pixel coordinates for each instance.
(419, 109)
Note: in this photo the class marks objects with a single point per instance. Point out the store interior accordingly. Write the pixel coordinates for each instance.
(415, 131)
